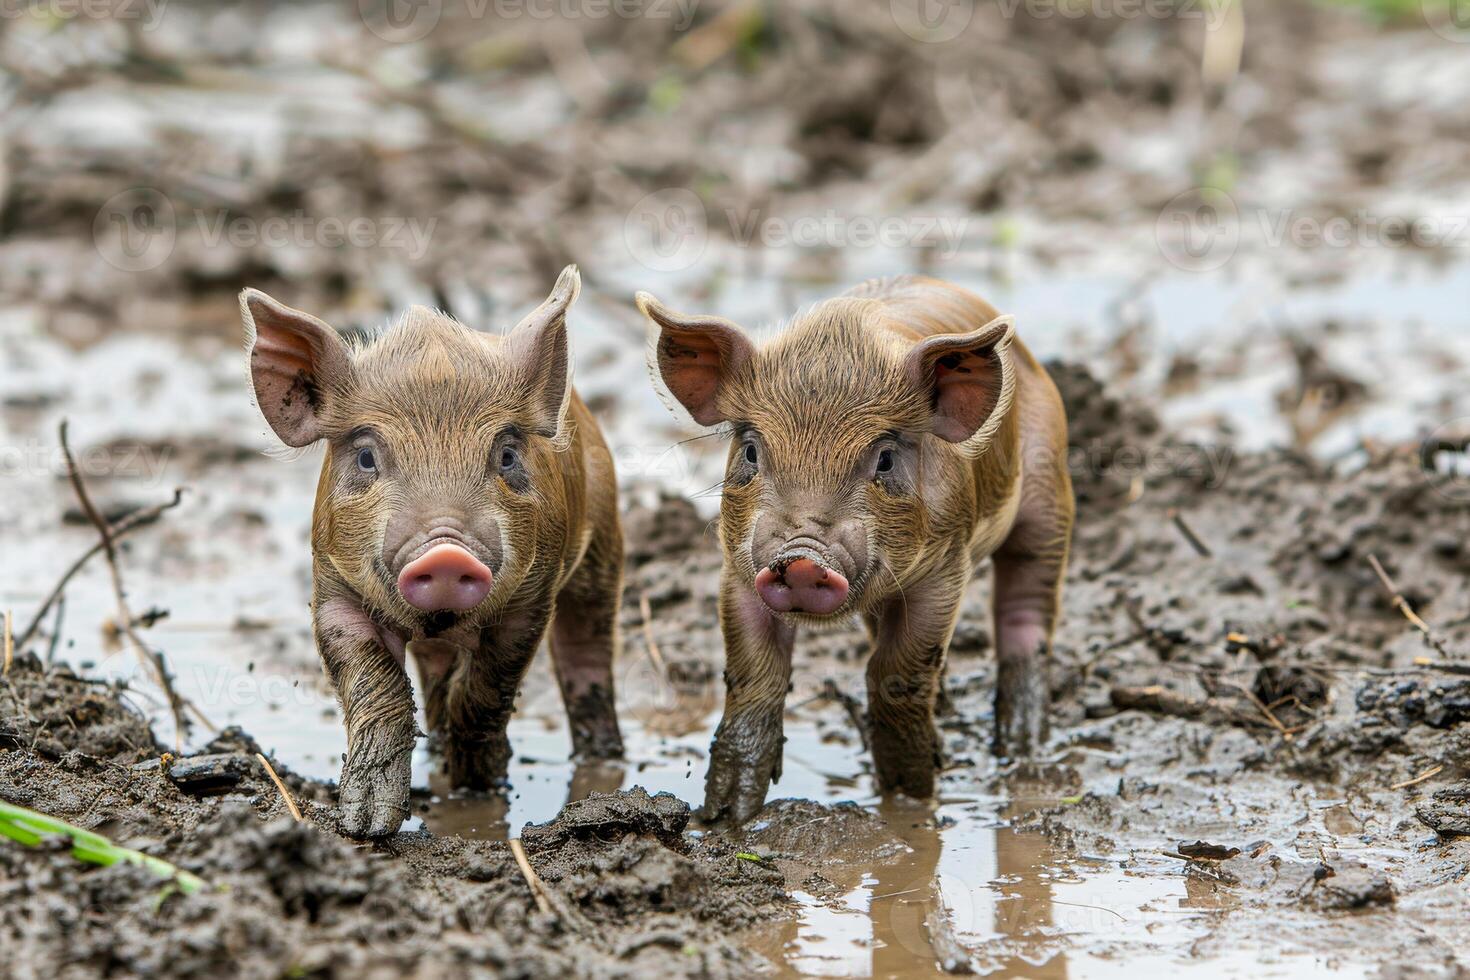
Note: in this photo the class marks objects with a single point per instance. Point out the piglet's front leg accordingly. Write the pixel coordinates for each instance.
(746, 755)
(377, 706)
(909, 643)
(479, 699)
(1027, 591)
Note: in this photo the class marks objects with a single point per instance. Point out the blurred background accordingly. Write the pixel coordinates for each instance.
(1253, 214)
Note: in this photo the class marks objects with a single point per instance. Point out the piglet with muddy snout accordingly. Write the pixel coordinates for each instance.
(466, 501)
(884, 444)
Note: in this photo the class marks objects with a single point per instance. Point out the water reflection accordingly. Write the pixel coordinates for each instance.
(922, 905)
(1025, 913)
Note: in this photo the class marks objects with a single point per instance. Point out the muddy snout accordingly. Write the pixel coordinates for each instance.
(801, 583)
(446, 577)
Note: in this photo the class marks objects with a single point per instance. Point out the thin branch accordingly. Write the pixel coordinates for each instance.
(1402, 605)
(56, 631)
(646, 611)
(1195, 542)
(177, 705)
(1426, 774)
(538, 890)
(136, 519)
(1250, 695)
(285, 793)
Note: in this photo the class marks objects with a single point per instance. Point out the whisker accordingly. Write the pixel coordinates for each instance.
(721, 431)
(710, 490)
(684, 442)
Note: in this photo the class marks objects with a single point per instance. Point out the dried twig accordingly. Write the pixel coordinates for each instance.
(1426, 774)
(1463, 670)
(832, 692)
(1275, 722)
(1403, 606)
(538, 890)
(646, 611)
(285, 793)
(1202, 549)
(177, 705)
(56, 631)
(136, 519)
(1165, 702)
(705, 45)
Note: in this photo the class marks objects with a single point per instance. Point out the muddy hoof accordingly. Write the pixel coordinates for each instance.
(479, 765)
(1021, 704)
(374, 799)
(732, 812)
(595, 733)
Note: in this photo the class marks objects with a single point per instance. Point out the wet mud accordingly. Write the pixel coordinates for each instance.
(1257, 763)
(1237, 740)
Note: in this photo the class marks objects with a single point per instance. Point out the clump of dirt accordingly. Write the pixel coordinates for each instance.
(50, 718)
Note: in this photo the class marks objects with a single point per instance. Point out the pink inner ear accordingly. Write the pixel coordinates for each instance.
(286, 369)
(965, 394)
(281, 351)
(690, 364)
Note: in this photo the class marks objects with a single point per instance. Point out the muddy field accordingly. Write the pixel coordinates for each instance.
(1257, 765)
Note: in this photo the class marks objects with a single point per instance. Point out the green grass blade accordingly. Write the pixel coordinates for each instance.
(28, 827)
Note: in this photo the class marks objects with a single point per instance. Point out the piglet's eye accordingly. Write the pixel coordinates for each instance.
(509, 458)
(751, 456)
(366, 461)
(885, 461)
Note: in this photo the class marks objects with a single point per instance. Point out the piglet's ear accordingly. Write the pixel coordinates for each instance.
(538, 350)
(968, 378)
(694, 356)
(297, 365)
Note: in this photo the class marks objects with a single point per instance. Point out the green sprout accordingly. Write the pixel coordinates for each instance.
(29, 828)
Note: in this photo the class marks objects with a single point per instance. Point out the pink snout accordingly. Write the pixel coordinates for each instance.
(446, 577)
(804, 586)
